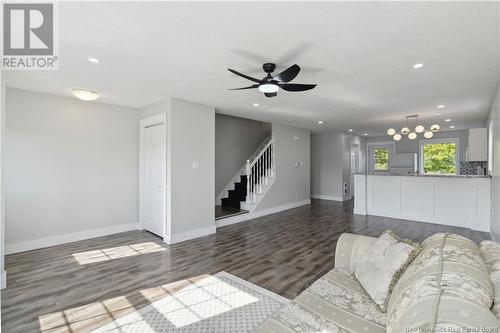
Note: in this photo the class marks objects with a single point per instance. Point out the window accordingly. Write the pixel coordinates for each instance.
(381, 159)
(439, 156)
(379, 156)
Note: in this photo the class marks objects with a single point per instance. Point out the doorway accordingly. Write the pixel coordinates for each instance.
(153, 174)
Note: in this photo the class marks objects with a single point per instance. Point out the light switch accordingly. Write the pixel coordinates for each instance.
(196, 165)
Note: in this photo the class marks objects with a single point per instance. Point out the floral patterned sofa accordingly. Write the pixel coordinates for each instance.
(450, 287)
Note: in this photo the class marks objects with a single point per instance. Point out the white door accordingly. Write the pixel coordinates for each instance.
(153, 152)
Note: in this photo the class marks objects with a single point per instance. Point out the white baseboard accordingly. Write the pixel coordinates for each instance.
(3, 278)
(68, 238)
(184, 236)
(327, 197)
(264, 212)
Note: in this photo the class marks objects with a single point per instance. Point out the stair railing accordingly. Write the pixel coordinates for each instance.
(259, 170)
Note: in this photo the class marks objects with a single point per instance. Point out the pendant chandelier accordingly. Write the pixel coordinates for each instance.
(418, 130)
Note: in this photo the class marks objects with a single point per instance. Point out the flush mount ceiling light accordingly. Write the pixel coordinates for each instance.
(85, 94)
(412, 135)
(417, 66)
(269, 88)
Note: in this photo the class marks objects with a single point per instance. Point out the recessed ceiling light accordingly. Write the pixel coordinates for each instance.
(320, 122)
(85, 94)
(290, 120)
(438, 114)
(440, 106)
(447, 120)
(93, 60)
(255, 104)
(350, 129)
(416, 66)
(452, 126)
(365, 134)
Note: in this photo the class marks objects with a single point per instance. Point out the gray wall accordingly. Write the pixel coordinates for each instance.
(191, 137)
(412, 146)
(70, 166)
(330, 163)
(236, 139)
(292, 182)
(327, 164)
(494, 116)
(190, 191)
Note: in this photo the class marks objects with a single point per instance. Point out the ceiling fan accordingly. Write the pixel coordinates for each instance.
(270, 85)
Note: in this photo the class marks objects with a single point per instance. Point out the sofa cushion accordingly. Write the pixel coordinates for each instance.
(381, 268)
(491, 255)
(446, 287)
(334, 303)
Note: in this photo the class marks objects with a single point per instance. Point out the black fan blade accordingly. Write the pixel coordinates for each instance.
(288, 74)
(296, 86)
(249, 87)
(270, 94)
(243, 75)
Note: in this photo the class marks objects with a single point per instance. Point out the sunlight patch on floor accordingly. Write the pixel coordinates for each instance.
(94, 256)
(175, 304)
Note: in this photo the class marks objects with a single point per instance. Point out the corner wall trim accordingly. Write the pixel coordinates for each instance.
(184, 236)
(327, 197)
(68, 238)
(260, 213)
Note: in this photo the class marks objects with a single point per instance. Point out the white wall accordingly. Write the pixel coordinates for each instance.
(292, 184)
(236, 139)
(70, 167)
(191, 138)
(328, 165)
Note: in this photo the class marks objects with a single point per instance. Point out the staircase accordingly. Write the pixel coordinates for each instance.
(255, 179)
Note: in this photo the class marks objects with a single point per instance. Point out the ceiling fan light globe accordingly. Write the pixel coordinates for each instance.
(391, 131)
(435, 128)
(428, 135)
(397, 137)
(419, 129)
(405, 130)
(268, 88)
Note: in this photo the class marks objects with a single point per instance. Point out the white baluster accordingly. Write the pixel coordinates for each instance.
(248, 170)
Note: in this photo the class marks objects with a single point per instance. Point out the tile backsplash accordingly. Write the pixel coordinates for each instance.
(471, 167)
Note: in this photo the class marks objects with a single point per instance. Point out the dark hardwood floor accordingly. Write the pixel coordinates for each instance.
(69, 289)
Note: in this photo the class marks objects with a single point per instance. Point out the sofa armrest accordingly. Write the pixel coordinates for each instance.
(350, 249)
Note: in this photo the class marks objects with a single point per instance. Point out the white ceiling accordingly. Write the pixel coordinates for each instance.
(361, 55)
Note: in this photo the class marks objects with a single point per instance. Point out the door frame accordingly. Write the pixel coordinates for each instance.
(156, 120)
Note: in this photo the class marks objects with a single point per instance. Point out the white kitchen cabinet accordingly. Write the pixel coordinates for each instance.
(478, 144)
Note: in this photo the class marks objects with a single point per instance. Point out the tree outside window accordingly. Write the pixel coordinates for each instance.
(381, 159)
(440, 158)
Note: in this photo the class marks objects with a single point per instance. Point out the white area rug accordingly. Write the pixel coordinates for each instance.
(218, 303)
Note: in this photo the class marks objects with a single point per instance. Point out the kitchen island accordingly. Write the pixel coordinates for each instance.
(455, 200)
